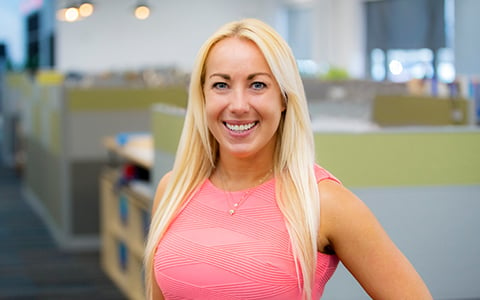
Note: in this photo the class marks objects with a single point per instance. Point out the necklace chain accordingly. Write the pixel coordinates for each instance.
(233, 207)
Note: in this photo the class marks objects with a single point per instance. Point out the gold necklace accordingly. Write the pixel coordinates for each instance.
(245, 195)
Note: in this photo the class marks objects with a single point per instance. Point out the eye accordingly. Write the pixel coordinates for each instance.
(220, 85)
(258, 85)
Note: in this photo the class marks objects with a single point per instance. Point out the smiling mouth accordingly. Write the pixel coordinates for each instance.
(240, 127)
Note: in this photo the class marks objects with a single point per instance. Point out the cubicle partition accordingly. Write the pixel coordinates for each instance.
(167, 124)
(423, 185)
(15, 88)
(65, 154)
(44, 170)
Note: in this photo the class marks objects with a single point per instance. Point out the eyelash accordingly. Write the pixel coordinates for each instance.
(217, 85)
(258, 82)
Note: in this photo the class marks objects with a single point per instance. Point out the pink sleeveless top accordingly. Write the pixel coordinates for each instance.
(209, 254)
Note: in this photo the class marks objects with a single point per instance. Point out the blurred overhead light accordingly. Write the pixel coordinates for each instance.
(142, 11)
(75, 11)
(395, 67)
(86, 9)
(61, 14)
(72, 14)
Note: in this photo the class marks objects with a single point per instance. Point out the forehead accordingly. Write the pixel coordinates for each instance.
(233, 41)
(235, 50)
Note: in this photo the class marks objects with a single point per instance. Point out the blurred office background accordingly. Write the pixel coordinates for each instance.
(92, 96)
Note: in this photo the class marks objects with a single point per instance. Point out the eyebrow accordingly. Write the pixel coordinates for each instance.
(224, 76)
(250, 77)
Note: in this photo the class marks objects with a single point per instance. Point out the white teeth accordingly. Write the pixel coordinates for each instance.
(241, 127)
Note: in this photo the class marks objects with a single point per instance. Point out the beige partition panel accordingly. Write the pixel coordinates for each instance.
(15, 90)
(66, 127)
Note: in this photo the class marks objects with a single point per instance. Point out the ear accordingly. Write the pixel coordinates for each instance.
(285, 101)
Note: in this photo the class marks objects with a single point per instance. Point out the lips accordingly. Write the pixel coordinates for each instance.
(240, 127)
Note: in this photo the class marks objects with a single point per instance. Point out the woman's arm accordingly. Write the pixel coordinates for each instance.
(364, 247)
(156, 292)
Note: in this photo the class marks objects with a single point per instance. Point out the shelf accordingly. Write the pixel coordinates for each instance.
(138, 149)
(125, 213)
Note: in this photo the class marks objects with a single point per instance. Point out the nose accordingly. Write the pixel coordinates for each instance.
(239, 102)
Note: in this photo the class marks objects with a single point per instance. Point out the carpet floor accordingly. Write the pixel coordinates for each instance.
(31, 266)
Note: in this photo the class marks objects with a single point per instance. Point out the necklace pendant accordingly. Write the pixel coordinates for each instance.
(231, 212)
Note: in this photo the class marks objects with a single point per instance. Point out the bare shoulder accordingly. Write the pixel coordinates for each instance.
(350, 228)
(337, 205)
(346, 219)
(160, 190)
(338, 202)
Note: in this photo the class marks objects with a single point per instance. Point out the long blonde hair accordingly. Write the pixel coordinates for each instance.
(297, 193)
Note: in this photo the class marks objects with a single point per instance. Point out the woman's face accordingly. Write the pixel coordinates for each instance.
(244, 103)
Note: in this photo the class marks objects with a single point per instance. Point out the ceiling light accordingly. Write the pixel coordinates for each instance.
(72, 14)
(86, 9)
(142, 11)
(61, 14)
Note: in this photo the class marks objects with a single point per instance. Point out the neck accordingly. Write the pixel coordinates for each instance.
(239, 179)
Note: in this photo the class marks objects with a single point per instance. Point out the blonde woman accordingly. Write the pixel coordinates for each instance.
(246, 213)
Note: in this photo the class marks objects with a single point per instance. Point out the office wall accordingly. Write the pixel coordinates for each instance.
(112, 39)
(339, 34)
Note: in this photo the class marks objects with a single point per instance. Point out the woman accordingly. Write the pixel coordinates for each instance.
(246, 213)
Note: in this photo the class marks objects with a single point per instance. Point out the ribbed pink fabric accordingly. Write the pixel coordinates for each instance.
(209, 254)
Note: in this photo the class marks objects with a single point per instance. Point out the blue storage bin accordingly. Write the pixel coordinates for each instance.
(122, 256)
(123, 208)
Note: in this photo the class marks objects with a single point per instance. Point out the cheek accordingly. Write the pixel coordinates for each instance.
(277, 109)
(212, 109)
(274, 114)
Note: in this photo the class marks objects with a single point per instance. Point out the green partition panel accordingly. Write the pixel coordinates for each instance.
(117, 98)
(409, 158)
(403, 110)
(167, 125)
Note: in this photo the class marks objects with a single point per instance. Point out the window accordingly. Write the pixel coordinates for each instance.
(299, 37)
(377, 70)
(404, 65)
(410, 39)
